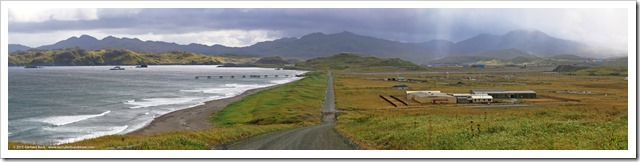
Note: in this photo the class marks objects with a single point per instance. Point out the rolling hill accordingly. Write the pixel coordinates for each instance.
(78, 56)
(507, 56)
(17, 47)
(343, 61)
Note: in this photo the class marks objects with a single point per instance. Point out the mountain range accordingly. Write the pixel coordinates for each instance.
(314, 45)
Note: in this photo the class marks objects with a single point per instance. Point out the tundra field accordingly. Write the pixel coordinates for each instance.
(570, 112)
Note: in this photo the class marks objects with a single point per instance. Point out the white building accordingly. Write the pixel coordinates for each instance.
(480, 98)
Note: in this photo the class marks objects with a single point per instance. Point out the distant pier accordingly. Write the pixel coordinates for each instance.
(243, 76)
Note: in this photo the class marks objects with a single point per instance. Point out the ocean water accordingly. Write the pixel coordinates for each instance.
(55, 105)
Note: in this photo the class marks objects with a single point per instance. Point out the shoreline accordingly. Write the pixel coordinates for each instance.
(195, 118)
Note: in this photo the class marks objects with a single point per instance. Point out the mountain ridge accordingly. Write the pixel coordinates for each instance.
(319, 44)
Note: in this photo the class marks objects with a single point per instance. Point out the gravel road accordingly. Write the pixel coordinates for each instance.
(318, 137)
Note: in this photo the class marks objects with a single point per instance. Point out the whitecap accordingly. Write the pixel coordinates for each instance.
(95, 134)
(227, 89)
(150, 102)
(64, 120)
(283, 81)
(197, 104)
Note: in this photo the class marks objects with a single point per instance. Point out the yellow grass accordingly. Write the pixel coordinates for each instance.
(598, 121)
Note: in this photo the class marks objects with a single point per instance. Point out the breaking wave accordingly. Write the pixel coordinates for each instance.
(64, 120)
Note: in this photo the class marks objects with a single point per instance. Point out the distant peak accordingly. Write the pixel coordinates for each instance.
(345, 32)
(19, 45)
(485, 35)
(439, 41)
(82, 38)
(86, 36)
(196, 44)
(316, 34)
(527, 32)
(109, 38)
(286, 39)
(136, 39)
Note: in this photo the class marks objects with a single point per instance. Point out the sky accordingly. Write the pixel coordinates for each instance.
(243, 27)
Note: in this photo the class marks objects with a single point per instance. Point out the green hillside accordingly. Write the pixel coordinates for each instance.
(604, 71)
(79, 57)
(344, 61)
(275, 60)
(503, 56)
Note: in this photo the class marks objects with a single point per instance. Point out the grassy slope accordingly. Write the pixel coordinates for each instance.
(293, 103)
(598, 122)
(346, 61)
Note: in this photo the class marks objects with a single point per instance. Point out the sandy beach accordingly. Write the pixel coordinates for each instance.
(195, 118)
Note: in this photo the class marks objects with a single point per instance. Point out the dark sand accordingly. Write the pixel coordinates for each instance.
(195, 118)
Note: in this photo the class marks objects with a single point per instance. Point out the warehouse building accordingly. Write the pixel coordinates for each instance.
(434, 97)
(462, 98)
(506, 94)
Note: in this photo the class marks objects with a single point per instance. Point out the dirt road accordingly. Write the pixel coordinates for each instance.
(329, 98)
(318, 137)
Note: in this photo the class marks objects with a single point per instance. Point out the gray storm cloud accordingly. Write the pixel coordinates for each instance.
(604, 26)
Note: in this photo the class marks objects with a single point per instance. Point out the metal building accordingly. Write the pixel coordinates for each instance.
(506, 94)
(427, 97)
(480, 98)
(462, 98)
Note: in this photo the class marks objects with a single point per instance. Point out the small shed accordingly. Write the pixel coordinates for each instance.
(401, 86)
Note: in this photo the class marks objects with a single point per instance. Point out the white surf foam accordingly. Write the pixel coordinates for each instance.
(110, 131)
(226, 90)
(64, 120)
(287, 80)
(236, 85)
(138, 126)
(197, 104)
(150, 102)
